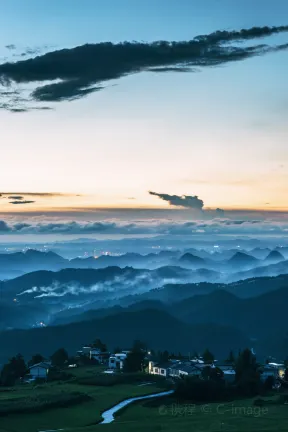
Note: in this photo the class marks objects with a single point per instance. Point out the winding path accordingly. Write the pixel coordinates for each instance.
(108, 416)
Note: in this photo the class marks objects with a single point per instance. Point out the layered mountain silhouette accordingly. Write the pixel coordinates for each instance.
(218, 307)
(219, 320)
(241, 258)
(192, 260)
(50, 284)
(274, 257)
(158, 329)
(223, 263)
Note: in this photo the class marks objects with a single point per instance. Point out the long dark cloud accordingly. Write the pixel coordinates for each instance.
(10, 47)
(21, 202)
(16, 197)
(187, 201)
(21, 195)
(77, 72)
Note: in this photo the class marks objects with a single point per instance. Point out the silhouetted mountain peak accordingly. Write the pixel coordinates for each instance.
(193, 259)
(32, 252)
(241, 257)
(274, 256)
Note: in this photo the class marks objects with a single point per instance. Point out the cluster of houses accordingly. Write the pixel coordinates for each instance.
(196, 367)
(112, 361)
(170, 369)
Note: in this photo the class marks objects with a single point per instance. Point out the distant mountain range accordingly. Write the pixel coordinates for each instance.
(195, 287)
(218, 320)
(15, 264)
(158, 329)
(217, 307)
(44, 295)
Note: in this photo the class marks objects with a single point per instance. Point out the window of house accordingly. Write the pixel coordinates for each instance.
(156, 370)
(162, 371)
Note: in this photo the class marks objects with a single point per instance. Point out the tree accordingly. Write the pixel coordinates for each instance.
(247, 375)
(199, 390)
(208, 357)
(98, 344)
(12, 371)
(135, 360)
(269, 383)
(139, 345)
(164, 356)
(195, 356)
(36, 358)
(230, 359)
(59, 358)
(286, 374)
(212, 373)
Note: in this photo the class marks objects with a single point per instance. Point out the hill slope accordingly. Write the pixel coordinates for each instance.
(157, 329)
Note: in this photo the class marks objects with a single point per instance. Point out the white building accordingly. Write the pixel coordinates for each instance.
(93, 354)
(116, 361)
(162, 369)
(273, 369)
(98, 355)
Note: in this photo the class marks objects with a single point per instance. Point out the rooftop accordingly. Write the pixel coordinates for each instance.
(44, 365)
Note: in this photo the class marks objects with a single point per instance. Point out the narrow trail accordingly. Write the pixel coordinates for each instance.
(108, 416)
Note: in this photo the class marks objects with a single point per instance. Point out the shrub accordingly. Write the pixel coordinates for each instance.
(259, 402)
(40, 403)
(56, 375)
(191, 388)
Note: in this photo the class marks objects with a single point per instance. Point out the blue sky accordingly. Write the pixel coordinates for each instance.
(218, 133)
(70, 22)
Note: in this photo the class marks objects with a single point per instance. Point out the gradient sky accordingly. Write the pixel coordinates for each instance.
(219, 133)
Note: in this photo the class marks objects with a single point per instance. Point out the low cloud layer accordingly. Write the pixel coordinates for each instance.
(157, 227)
(187, 201)
(68, 74)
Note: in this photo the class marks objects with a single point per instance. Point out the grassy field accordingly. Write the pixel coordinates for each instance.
(237, 417)
(87, 413)
(147, 416)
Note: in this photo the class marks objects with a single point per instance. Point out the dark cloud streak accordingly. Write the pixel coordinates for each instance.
(187, 201)
(82, 70)
(21, 202)
(37, 194)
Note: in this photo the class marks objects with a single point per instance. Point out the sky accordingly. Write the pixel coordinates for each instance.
(216, 134)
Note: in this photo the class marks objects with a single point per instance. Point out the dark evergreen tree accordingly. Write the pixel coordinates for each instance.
(59, 358)
(164, 357)
(208, 357)
(135, 360)
(98, 344)
(247, 373)
(231, 358)
(36, 358)
(14, 370)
